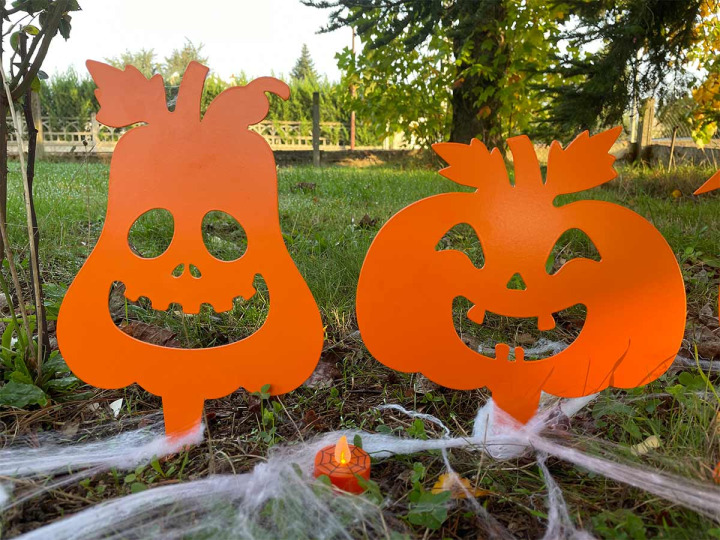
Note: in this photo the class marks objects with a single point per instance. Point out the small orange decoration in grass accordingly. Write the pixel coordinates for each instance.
(341, 462)
(190, 166)
(634, 296)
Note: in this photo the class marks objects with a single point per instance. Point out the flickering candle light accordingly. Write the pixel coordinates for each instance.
(341, 462)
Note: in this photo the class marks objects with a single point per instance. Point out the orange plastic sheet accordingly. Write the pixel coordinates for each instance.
(634, 296)
(190, 167)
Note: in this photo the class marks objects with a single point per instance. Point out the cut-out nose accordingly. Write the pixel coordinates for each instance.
(516, 282)
(178, 271)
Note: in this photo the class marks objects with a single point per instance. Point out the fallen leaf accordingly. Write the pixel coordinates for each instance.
(459, 487)
(644, 447)
(676, 194)
(324, 375)
(423, 385)
(151, 334)
(367, 222)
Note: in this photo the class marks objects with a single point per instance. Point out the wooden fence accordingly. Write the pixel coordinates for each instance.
(74, 135)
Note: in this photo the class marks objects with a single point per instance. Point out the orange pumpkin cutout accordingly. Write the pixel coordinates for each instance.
(711, 185)
(190, 167)
(634, 296)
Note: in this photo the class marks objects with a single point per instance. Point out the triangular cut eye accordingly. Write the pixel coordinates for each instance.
(517, 282)
(572, 244)
(462, 237)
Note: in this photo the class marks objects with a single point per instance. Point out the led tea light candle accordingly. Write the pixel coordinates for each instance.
(341, 462)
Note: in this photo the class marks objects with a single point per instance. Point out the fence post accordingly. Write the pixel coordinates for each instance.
(94, 131)
(671, 159)
(36, 113)
(645, 132)
(316, 129)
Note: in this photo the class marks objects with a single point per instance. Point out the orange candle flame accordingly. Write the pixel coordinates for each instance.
(342, 451)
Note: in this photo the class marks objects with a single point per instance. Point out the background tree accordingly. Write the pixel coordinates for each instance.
(68, 95)
(644, 48)
(492, 50)
(705, 58)
(304, 67)
(144, 60)
(174, 65)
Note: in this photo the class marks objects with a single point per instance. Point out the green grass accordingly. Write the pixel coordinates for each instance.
(327, 233)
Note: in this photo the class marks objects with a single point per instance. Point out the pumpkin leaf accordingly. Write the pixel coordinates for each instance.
(126, 96)
(471, 164)
(589, 155)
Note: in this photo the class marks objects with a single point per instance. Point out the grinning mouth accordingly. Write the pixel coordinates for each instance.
(207, 327)
(511, 338)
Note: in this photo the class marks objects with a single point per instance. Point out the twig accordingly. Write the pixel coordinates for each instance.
(33, 252)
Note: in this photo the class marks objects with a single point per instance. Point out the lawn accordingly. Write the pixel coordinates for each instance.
(329, 217)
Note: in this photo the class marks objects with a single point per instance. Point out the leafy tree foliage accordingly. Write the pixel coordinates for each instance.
(644, 46)
(304, 67)
(704, 55)
(144, 60)
(473, 59)
(67, 95)
(174, 65)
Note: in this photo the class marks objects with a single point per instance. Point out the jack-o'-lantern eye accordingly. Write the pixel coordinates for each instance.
(572, 244)
(463, 238)
(224, 237)
(151, 234)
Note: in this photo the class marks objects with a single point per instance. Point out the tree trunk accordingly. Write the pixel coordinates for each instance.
(480, 23)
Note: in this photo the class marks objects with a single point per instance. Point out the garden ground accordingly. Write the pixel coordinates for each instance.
(329, 217)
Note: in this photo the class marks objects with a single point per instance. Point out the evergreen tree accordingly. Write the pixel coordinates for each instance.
(304, 69)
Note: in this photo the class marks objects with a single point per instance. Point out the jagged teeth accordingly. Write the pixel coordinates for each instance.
(502, 351)
(476, 314)
(546, 322)
(248, 292)
(159, 306)
(221, 307)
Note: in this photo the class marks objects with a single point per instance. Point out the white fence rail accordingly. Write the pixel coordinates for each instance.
(74, 135)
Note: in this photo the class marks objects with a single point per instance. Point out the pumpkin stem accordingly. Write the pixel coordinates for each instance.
(182, 412)
(527, 167)
(190, 93)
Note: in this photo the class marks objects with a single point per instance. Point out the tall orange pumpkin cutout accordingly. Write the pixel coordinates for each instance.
(189, 166)
(634, 296)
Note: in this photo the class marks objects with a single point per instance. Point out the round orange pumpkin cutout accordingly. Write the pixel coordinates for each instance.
(634, 295)
(189, 166)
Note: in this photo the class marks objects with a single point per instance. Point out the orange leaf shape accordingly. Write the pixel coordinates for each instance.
(710, 185)
(126, 96)
(584, 164)
(471, 165)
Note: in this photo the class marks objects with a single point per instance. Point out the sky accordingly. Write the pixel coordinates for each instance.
(255, 36)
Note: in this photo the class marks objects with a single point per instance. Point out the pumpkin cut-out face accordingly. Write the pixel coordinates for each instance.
(634, 295)
(190, 167)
